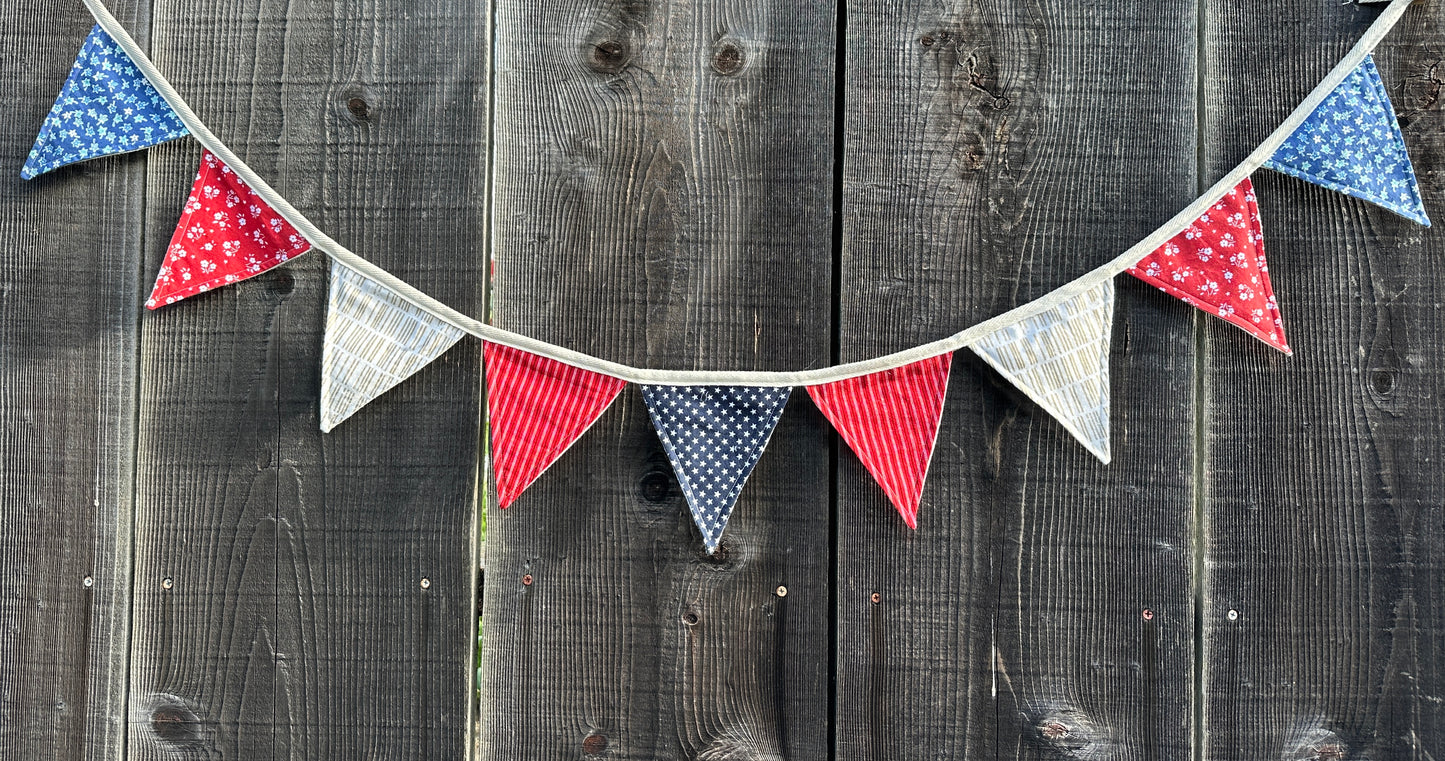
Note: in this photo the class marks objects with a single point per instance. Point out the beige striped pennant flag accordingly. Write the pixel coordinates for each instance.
(1060, 359)
(374, 340)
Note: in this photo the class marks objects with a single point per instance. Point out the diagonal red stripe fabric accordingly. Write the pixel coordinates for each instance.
(538, 408)
(1218, 265)
(890, 420)
(226, 234)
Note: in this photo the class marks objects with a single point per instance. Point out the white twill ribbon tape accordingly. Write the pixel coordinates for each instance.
(1377, 31)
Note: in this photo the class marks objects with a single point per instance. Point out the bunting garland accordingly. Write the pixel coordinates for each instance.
(1352, 144)
(106, 107)
(714, 426)
(374, 340)
(1218, 265)
(714, 436)
(1060, 359)
(891, 420)
(226, 234)
(537, 409)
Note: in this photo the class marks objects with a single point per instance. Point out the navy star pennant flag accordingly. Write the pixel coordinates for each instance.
(1352, 144)
(106, 107)
(714, 436)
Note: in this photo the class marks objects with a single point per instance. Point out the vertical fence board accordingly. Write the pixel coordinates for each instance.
(68, 332)
(996, 150)
(295, 624)
(662, 191)
(1325, 522)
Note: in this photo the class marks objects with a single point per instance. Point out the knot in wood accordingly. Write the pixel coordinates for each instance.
(610, 55)
(594, 744)
(176, 724)
(728, 59)
(359, 109)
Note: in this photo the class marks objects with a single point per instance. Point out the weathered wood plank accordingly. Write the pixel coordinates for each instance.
(996, 150)
(662, 197)
(279, 611)
(1325, 610)
(68, 329)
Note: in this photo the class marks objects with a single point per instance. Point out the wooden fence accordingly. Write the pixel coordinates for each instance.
(191, 570)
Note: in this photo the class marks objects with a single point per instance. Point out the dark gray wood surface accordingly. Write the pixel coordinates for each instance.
(721, 184)
(663, 196)
(983, 169)
(69, 282)
(1324, 611)
(279, 610)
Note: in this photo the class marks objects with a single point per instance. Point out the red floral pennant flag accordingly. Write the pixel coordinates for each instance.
(538, 409)
(226, 234)
(1218, 265)
(890, 420)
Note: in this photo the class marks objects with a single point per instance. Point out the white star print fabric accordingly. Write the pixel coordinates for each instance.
(714, 436)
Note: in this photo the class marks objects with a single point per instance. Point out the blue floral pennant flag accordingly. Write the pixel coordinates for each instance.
(1352, 144)
(714, 436)
(106, 107)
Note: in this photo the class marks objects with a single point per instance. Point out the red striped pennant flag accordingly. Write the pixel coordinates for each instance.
(890, 420)
(538, 409)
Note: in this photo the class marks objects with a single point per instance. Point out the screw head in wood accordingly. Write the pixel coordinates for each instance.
(425, 583)
(1233, 615)
(875, 598)
(167, 583)
(1147, 614)
(527, 580)
(88, 582)
(781, 591)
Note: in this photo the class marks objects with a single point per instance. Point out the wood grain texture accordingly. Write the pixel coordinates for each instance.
(68, 330)
(1325, 522)
(662, 185)
(996, 150)
(279, 611)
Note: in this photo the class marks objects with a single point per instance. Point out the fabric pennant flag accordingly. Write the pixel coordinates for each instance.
(1060, 359)
(1352, 144)
(537, 409)
(1218, 265)
(714, 436)
(374, 340)
(106, 107)
(890, 420)
(227, 233)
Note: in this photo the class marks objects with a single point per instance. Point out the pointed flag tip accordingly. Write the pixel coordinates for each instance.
(714, 437)
(537, 409)
(1060, 360)
(890, 419)
(106, 107)
(1352, 144)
